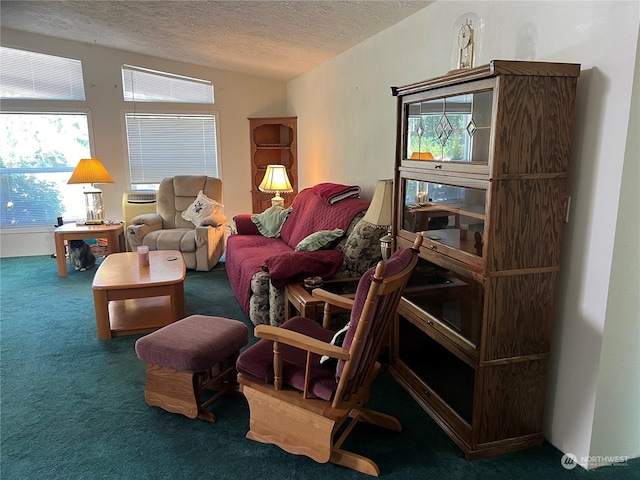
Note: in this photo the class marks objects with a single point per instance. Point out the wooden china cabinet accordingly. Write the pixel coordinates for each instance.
(481, 168)
(273, 142)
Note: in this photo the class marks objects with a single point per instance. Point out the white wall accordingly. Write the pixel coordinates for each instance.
(346, 133)
(237, 97)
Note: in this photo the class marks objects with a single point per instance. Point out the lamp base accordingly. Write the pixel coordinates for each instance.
(94, 205)
(385, 246)
(277, 200)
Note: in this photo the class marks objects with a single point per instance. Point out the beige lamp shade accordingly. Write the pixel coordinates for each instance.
(276, 181)
(379, 212)
(90, 170)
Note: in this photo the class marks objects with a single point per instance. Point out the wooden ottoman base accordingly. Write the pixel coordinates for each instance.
(182, 392)
(190, 356)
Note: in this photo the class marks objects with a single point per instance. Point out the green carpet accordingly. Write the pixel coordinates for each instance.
(72, 406)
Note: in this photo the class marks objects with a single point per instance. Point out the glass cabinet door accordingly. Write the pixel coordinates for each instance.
(449, 214)
(453, 298)
(450, 129)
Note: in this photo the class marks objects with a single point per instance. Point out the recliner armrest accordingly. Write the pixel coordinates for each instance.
(142, 226)
(214, 220)
(150, 219)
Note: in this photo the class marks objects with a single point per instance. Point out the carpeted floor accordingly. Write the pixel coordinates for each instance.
(72, 406)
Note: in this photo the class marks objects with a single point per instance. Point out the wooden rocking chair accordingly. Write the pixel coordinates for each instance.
(299, 404)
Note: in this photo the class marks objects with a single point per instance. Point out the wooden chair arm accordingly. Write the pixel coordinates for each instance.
(298, 340)
(332, 298)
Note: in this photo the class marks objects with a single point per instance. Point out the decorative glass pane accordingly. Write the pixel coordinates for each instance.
(451, 129)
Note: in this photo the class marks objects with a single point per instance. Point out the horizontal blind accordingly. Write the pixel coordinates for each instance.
(30, 75)
(167, 145)
(143, 85)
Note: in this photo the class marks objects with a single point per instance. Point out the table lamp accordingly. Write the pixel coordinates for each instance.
(276, 181)
(380, 212)
(91, 171)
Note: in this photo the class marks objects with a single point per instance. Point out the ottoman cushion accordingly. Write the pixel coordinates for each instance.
(194, 343)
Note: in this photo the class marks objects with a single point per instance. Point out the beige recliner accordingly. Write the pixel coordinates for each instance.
(201, 240)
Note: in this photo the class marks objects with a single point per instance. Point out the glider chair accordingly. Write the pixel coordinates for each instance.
(188, 218)
(299, 400)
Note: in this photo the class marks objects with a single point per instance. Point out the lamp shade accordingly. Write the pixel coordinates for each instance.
(90, 170)
(422, 156)
(379, 212)
(275, 180)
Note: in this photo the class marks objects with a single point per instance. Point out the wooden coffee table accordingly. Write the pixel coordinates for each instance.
(130, 299)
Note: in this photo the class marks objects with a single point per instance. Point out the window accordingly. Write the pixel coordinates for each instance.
(40, 149)
(163, 144)
(143, 85)
(167, 145)
(38, 156)
(30, 75)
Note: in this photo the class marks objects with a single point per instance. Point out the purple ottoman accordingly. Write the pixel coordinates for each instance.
(189, 356)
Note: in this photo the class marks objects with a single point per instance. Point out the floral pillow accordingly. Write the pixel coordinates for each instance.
(362, 248)
(204, 211)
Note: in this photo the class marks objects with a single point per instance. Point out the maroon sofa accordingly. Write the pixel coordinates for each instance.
(260, 267)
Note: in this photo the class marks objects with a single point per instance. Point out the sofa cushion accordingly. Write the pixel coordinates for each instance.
(270, 221)
(182, 239)
(319, 240)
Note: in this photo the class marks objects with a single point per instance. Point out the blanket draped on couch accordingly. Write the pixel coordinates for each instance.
(248, 251)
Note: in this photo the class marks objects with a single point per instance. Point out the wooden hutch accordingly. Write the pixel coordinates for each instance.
(481, 168)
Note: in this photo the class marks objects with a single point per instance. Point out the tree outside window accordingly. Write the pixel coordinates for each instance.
(39, 152)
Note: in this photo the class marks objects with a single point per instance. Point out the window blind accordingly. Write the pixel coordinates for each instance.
(143, 85)
(30, 75)
(167, 145)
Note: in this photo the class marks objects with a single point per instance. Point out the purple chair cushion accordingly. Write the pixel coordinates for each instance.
(193, 344)
(257, 361)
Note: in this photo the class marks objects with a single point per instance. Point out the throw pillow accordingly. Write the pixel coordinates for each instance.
(201, 209)
(362, 248)
(270, 221)
(337, 340)
(319, 240)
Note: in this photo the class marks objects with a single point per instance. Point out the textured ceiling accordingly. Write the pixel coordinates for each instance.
(277, 39)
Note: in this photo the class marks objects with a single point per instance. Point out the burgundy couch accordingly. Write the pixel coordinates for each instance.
(260, 267)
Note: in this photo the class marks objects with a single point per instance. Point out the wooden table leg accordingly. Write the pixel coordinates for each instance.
(177, 301)
(101, 303)
(113, 242)
(61, 257)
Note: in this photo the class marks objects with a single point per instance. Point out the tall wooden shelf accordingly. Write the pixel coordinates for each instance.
(273, 142)
(472, 337)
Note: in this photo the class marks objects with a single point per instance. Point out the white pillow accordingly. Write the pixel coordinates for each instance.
(202, 209)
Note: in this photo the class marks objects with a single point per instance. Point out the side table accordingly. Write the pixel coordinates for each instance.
(299, 299)
(114, 233)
